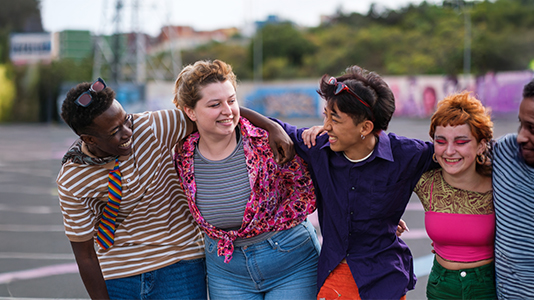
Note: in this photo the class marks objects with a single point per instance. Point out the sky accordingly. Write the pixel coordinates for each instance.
(98, 15)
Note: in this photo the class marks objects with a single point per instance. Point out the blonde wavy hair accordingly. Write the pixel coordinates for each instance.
(191, 80)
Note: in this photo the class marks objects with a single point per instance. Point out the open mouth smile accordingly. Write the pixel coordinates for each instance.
(127, 144)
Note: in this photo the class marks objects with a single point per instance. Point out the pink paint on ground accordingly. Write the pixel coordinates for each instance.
(61, 269)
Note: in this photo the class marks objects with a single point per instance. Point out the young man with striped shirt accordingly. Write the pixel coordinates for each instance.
(148, 243)
(513, 190)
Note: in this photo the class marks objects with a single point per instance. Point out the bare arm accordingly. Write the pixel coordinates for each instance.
(191, 126)
(280, 142)
(89, 268)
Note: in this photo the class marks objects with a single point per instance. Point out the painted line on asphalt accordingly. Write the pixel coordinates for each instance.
(39, 210)
(70, 268)
(31, 228)
(32, 190)
(20, 298)
(50, 256)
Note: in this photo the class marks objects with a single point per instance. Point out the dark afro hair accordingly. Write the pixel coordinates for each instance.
(528, 90)
(79, 118)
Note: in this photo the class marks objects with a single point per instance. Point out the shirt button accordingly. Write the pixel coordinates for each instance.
(245, 247)
(347, 254)
(463, 274)
(128, 180)
(352, 188)
(351, 212)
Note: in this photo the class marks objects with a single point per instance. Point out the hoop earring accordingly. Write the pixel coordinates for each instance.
(363, 136)
(481, 159)
(434, 158)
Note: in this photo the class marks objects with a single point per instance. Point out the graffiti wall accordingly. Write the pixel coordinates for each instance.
(285, 102)
(502, 91)
(415, 96)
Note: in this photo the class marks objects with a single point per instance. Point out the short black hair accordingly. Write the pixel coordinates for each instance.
(371, 88)
(80, 118)
(528, 90)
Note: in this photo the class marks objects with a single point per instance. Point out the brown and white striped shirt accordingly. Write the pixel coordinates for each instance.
(155, 228)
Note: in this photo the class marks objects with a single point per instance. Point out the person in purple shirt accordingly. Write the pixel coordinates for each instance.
(364, 178)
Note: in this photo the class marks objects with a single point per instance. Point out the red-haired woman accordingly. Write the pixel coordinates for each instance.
(458, 201)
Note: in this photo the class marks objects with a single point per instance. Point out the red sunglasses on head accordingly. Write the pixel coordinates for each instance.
(85, 98)
(340, 87)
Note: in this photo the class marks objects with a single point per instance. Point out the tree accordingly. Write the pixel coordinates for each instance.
(233, 53)
(17, 16)
(284, 48)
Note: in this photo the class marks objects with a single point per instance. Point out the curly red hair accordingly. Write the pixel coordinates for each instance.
(463, 108)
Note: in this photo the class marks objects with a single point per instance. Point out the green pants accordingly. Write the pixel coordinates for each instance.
(475, 283)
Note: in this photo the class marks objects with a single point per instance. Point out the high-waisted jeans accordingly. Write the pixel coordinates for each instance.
(185, 279)
(282, 267)
(474, 283)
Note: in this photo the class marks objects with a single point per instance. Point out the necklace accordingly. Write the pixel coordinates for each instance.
(358, 160)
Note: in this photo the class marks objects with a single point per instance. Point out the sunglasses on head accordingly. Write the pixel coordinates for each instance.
(85, 98)
(340, 87)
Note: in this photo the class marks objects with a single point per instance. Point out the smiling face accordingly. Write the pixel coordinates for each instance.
(216, 114)
(456, 149)
(111, 133)
(343, 134)
(525, 137)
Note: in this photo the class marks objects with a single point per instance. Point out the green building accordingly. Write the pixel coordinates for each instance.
(75, 44)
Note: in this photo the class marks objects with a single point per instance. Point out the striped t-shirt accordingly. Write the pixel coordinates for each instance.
(223, 188)
(223, 191)
(513, 193)
(155, 228)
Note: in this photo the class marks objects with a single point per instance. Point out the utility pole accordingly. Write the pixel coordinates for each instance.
(116, 65)
(467, 41)
(258, 55)
(140, 65)
(175, 51)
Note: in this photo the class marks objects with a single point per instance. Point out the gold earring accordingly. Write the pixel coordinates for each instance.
(481, 159)
(434, 158)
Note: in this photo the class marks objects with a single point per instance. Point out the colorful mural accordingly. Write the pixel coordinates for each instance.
(285, 102)
(415, 96)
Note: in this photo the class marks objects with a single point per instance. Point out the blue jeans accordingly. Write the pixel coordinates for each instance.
(281, 267)
(185, 279)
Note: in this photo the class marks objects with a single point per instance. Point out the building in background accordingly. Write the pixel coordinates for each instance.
(75, 44)
(30, 48)
(186, 37)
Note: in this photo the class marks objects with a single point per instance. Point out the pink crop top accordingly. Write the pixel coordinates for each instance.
(461, 237)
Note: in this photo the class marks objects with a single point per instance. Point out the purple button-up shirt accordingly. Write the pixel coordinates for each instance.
(359, 207)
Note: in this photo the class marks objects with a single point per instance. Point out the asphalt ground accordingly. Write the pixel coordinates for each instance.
(36, 260)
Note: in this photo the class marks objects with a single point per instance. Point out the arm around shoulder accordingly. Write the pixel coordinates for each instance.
(281, 144)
